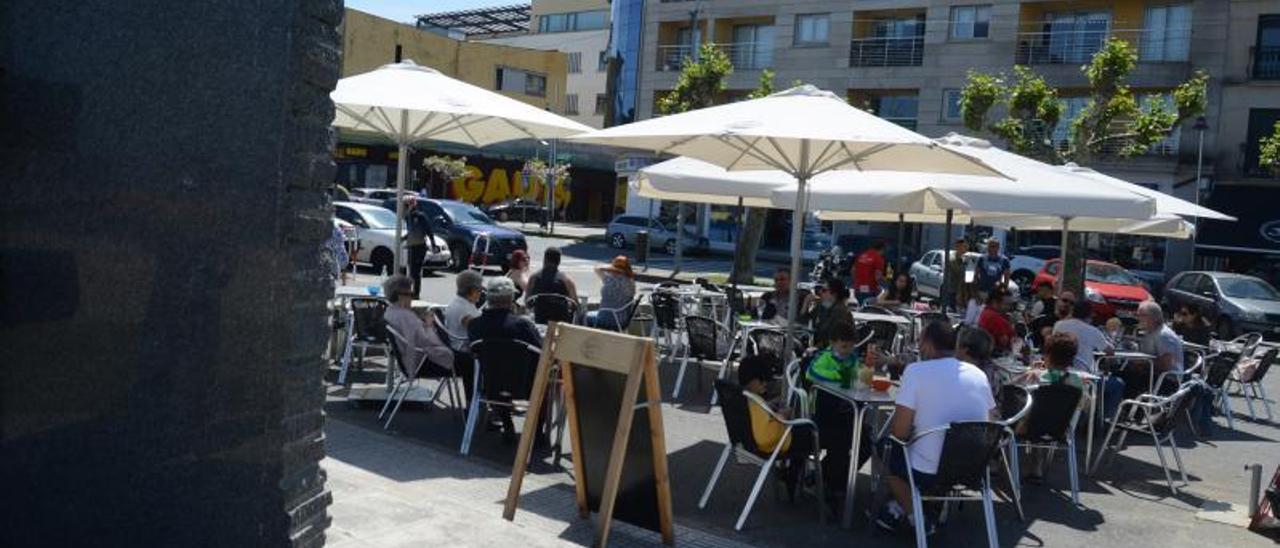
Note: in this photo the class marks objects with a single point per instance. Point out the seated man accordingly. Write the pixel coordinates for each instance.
(754, 375)
(497, 322)
(773, 304)
(833, 415)
(548, 280)
(994, 321)
(935, 392)
(1158, 340)
(1089, 339)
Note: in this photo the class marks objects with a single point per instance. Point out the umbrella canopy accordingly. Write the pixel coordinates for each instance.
(1163, 226)
(407, 103)
(1165, 203)
(803, 132)
(685, 179)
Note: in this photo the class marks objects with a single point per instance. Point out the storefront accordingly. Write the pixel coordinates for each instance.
(1250, 245)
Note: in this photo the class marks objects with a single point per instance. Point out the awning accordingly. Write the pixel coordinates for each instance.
(1258, 228)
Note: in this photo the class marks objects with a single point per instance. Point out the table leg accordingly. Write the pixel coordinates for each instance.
(1096, 394)
(846, 521)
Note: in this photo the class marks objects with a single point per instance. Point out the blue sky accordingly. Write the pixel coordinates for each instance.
(404, 10)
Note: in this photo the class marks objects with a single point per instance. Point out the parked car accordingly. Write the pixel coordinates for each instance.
(375, 229)
(928, 272)
(1110, 289)
(1234, 303)
(518, 210)
(461, 225)
(373, 196)
(1026, 262)
(623, 228)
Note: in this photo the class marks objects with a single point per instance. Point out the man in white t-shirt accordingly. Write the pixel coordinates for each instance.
(1089, 339)
(934, 392)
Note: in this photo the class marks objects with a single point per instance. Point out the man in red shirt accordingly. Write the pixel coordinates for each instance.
(994, 321)
(868, 270)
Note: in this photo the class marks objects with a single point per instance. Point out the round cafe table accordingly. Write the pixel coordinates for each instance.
(865, 400)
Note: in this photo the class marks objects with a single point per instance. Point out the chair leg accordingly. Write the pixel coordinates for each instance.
(1225, 403)
(1015, 484)
(346, 355)
(1102, 450)
(1262, 396)
(1071, 469)
(715, 475)
(724, 372)
(408, 387)
(988, 509)
(391, 395)
(1164, 465)
(755, 489)
(684, 364)
(1177, 458)
(1248, 400)
(917, 513)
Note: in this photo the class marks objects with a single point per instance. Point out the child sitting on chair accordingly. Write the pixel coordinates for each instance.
(754, 375)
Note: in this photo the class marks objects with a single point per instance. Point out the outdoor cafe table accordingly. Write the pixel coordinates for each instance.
(873, 317)
(1125, 356)
(865, 400)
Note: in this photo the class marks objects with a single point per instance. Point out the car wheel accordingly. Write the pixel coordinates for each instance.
(1225, 330)
(1023, 278)
(459, 256)
(381, 258)
(504, 216)
(618, 241)
(670, 247)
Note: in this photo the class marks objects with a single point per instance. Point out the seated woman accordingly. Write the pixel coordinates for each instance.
(822, 309)
(421, 338)
(974, 346)
(1189, 324)
(1059, 354)
(899, 293)
(519, 271)
(616, 294)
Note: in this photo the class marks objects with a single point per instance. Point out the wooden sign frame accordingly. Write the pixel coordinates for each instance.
(571, 346)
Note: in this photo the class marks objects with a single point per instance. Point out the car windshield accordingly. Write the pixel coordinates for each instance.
(1109, 274)
(379, 218)
(1248, 288)
(465, 214)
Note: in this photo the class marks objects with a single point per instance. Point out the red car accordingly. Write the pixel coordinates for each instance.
(1112, 290)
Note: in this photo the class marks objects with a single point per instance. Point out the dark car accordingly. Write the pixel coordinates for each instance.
(524, 211)
(461, 225)
(1233, 303)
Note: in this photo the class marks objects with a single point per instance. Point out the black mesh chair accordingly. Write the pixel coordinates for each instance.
(504, 373)
(735, 404)
(967, 449)
(1037, 325)
(771, 342)
(667, 324)
(1251, 387)
(875, 309)
(1049, 425)
(1217, 371)
(1156, 416)
(408, 377)
(552, 307)
(368, 330)
(884, 334)
(705, 337)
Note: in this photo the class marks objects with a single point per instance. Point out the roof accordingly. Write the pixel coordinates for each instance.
(495, 20)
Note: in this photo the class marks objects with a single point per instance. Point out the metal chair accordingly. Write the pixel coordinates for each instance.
(368, 330)
(1015, 402)
(1218, 370)
(735, 406)
(1050, 424)
(552, 307)
(884, 334)
(771, 342)
(704, 345)
(408, 378)
(621, 316)
(504, 371)
(1252, 388)
(967, 449)
(667, 325)
(1154, 415)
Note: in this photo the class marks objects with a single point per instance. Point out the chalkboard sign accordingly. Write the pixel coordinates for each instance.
(618, 447)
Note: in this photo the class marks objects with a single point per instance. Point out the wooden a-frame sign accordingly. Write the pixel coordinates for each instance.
(601, 372)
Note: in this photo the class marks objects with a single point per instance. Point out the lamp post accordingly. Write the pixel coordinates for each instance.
(1201, 125)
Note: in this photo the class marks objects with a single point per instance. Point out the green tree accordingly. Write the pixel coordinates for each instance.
(744, 253)
(701, 82)
(1112, 123)
(443, 169)
(1269, 150)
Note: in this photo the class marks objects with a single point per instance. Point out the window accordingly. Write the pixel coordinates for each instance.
(575, 62)
(1204, 286)
(1074, 106)
(571, 103)
(1266, 56)
(603, 64)
(752, 47)
(951, 105)
(1167, 33)
(573, 21)
(1075, 36)
(1187, 283)
(811, 28)
(602, 103)
(970, 22)
(1261, 122)
(521, 81)
(899, 109)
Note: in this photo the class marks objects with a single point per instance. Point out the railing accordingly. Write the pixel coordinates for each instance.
(886, 52)
(1077, 47)
(1266, 63)
(743, 55)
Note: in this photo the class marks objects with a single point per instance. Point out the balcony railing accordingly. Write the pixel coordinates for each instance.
(743, 55)
(1266, 63)
(1077, 47)
(887, 52)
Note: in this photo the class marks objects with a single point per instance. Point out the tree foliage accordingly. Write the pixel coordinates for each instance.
(1269, 150)
(701, 82)
(445, 167)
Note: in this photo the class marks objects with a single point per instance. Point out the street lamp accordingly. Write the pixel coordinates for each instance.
(1201, 125)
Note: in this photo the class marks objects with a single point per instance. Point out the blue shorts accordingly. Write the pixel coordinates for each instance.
(898, 467)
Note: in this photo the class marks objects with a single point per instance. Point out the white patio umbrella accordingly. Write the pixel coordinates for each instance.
(408, 103)
(803, 132)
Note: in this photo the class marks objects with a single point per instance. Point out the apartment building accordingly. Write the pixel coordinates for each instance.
(907, 60)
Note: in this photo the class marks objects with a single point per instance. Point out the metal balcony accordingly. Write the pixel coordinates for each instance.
(887, 52)
(1077, 47)
(743, 55)
(1266, 63)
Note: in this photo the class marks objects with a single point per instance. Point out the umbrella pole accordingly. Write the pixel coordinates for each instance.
(797, 230)
(742, 225)
(902, 235)
(1062, 255)
(402, 166)
(946, 262)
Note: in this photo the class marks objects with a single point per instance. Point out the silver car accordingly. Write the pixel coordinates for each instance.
(623, 229)
(928, 272)
(1234, 303)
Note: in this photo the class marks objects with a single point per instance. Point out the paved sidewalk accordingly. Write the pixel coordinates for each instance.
(390, 492)
(566, 230)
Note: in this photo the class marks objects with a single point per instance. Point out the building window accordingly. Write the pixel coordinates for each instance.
(575, 62)
(899, 109)
(811, 29)
(574, 21)
(603, 64)
(1261, 124)
(1166, 36)
(951, 105)
(602, 104)
(1266, 51)
(970, 22)
(1074, 106)
(571, 103)
(752, 47)
(521, 81)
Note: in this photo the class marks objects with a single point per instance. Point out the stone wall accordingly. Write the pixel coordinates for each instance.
(164, 167)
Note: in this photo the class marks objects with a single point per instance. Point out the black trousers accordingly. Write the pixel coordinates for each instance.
(417, 255)
(834, 418)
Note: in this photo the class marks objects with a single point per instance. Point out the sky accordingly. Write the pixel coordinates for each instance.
(404, 10)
